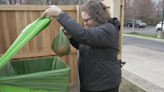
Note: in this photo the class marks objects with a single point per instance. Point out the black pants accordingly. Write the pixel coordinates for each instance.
(110, 90)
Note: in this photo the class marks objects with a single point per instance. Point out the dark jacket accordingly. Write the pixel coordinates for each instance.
(98, 46)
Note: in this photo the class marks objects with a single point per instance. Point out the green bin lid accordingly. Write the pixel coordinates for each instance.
(26, 35)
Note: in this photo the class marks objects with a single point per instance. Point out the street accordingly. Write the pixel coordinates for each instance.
(147, 30)
(145, 43)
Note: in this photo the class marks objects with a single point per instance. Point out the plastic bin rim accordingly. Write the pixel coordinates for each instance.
(41, 74)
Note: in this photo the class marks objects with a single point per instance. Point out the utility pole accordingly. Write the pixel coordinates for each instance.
(161, 33)
(162, 17)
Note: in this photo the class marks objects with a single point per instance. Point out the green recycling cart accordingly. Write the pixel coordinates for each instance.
(35, 75)
(49, 74)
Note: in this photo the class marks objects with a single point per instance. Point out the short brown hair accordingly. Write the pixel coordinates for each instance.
(98, 11)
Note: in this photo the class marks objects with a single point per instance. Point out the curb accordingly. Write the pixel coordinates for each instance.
(155, 39)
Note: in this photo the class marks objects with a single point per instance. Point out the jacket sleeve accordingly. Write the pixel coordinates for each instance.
(100, 36)
(74, 43)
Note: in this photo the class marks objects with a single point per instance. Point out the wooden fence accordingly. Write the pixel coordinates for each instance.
(14, 18)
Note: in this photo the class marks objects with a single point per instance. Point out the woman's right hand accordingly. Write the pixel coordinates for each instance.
(52, 11)
(65, 32)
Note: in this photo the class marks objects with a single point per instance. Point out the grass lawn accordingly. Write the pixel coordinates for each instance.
(127, 86)
(145, 35)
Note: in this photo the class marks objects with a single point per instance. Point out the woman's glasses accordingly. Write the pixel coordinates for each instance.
(86, 20)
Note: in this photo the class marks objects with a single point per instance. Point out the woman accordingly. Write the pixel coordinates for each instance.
(98, 46)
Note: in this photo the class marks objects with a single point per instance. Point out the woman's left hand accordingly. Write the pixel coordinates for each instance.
(52, 11)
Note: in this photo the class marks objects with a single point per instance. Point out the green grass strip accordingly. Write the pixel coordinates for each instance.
(127, 86)
(145, 35)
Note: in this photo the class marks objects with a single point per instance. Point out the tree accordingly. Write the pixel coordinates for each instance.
(17, 2)
(128, 8)
(135, 10)
(159, 8)
(146, 9)
(132, 10)
(140, 9)
(45, 2)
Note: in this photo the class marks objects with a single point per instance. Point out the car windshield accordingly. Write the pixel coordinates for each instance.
(138, 21)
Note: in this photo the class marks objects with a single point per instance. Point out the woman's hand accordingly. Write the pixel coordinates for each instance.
(65, 32)
(52, 11)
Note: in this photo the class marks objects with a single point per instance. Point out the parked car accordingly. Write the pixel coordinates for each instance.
(137, 23)
(158, 26)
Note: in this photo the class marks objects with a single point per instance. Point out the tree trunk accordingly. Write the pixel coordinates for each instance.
(133, 25)
(74, 2)
(158, 15)
(81, 2)
(17, 2)
(2, 2)
(10, 1)
(22, 2)
(55, 2)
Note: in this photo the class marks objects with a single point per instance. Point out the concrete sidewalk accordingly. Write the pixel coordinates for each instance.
(144, 67)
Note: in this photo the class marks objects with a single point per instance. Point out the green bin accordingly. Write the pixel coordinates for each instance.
(35, 75)
(32, 75)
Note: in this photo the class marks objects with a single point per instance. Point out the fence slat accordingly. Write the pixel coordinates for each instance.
(28, 21)
(20, 24)
(36, 15)
(46, 38)
(11, 25)
(2, 35)
(52, 28)
(6, 30)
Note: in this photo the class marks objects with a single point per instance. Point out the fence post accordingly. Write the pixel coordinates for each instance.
(79, 20)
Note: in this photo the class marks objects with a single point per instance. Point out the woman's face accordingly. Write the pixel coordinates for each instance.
(88, 20)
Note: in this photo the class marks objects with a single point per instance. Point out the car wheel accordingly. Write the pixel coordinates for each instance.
(158, 29)
(128, 25)
(138, 26)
